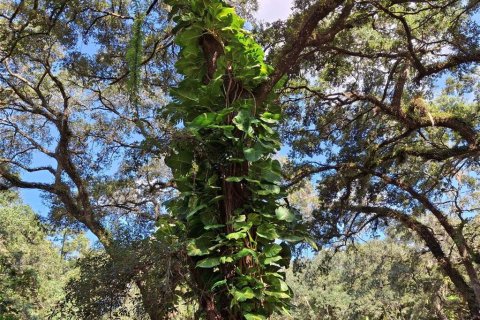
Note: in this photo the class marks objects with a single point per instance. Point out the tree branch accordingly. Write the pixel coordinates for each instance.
(290, 54)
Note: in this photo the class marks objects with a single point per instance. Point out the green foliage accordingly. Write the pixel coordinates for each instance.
(229, 184)
(230, 212)
(134, 58)
(381, 279)
(32, 272)
(110, 286)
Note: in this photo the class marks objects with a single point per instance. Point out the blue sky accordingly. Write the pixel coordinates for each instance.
(32, 197)
(271, 10)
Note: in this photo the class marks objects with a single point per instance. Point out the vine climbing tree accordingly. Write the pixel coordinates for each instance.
(230, 202)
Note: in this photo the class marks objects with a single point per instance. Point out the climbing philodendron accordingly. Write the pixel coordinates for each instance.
(230, 202)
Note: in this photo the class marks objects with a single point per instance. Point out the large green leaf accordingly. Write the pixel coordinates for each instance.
(270, 171)
(292, 238)
(280, 285)
(184, 94)
(269, 189)
(227, 259)
(251, 316)
(180, 161)
(187, 36)
(203, 120)
(218, 284)
(243, 294)
(245, 252)
(285, 214)
(272, 250)
(208, 262)
(194, 210)
(267, 231)
(235, 179)
(243, 120)
(270, 117)
(236, 235)
(277, 294)
(272, 260)
(255, 153)
(199, 246)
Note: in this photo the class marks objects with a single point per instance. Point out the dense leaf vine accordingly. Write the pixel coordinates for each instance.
(230, 194)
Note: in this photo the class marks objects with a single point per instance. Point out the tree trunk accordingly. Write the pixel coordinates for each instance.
(150, 304)
(235, 194)
(207, 301)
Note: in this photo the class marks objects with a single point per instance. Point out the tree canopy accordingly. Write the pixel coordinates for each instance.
(32, 272)
(156, 126)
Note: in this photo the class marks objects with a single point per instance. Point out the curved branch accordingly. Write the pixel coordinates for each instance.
(291, 52)
(432, 243)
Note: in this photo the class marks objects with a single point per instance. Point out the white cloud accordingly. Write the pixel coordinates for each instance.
(272, 10)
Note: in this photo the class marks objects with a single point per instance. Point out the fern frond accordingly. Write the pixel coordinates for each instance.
(134, 58)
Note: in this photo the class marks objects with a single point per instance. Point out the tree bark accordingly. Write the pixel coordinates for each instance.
(150, 304)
